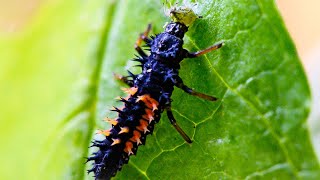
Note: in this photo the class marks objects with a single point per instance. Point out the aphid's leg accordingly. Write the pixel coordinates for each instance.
(123, 79)
(175, 125)
(143, 37)
(201, 52)
(179, 83)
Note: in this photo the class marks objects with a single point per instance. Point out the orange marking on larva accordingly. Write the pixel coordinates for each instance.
(149, 112)
(154, 107)
(137, 140)
(128, 148)
(150, 106)
(104, 132)
(150, 115)
(146, 103)
(132, 91)
(136, 137)
(115, 141)
(149, 101)
(111, 121)
(149, 118)
(153, 102)
(145, 98)
(124, 130)
(143, 126)
(140, 98)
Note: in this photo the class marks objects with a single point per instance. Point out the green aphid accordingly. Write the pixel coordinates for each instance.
(183, 15)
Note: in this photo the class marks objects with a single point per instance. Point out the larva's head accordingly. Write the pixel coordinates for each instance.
(176, 29)
(183, 15)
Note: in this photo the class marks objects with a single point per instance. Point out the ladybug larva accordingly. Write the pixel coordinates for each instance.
(148, 95)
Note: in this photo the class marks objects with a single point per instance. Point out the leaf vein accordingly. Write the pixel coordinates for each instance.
(265, 120)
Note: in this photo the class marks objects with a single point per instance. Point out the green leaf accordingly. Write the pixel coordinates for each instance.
(258, 127)
(256, 130)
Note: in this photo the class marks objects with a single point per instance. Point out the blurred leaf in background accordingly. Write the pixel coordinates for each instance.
(56, 86)
(46, 78)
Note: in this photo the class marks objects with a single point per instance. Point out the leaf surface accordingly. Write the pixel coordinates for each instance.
(256, 130)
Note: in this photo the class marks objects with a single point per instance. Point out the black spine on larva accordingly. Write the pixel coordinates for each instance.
(159, 73)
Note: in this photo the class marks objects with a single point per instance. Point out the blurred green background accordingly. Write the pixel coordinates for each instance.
(45, 46)
(46, 55)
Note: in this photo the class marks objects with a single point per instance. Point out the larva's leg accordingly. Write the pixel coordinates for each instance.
(179, 83)
(204, 51)
(176, 126)
(143, 37)
(123, 79)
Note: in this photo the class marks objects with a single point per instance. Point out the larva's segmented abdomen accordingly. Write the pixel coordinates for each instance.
(135, 121)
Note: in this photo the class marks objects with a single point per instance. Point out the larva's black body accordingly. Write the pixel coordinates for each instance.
(149, 96)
